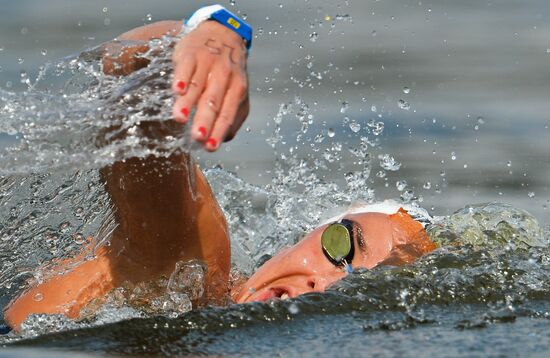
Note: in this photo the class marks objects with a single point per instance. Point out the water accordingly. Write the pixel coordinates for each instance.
(328, 128)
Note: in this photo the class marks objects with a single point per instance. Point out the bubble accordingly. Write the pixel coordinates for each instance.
(105, 9)
(427, 185)
(345, 106)
(38, 297)
(406, 90)
(453, 156)
(531, 194)
(403, 105)
(313, 37)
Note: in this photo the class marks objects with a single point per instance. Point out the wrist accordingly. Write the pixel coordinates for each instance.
(222, 33)
(224, 17)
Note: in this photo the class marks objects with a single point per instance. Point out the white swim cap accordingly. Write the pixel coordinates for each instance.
(385, 207)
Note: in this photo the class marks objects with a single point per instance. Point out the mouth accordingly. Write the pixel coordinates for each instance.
(271, 293)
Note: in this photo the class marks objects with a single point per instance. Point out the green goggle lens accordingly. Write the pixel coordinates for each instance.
(336, 242)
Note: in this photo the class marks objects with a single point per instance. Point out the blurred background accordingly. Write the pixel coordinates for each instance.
(461, 86)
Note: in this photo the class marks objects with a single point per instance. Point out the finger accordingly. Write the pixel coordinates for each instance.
(183, 71)
(211, 101)
(240, 117)
(184, 104)
(227, 119)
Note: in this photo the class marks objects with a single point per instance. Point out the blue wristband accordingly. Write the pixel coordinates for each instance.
(224, 17)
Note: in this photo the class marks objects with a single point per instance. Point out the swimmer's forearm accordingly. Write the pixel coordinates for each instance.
(120, 59)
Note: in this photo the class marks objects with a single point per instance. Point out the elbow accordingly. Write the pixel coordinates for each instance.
(121, 60)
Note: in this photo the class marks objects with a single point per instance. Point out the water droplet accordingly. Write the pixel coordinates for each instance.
(354, 126)
(403, 105)
(331, 133)
(293, 308)
(548, 50)
(509, 163)
(232, 2)
(44, 52)
(376, 127)
(373, 109)
(105, 9)
(373, 33)
(345, 106)
(1, 48)
(453, 156)
(531, 194)
(427, 185)
(313, 36)
(401, 185)
(407, 196)
(38, 297)
(406, 90)
(24, 31)
(20, 60)
(388, 162)
(319, 138)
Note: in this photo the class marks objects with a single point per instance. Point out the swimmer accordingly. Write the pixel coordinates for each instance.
(166, 213)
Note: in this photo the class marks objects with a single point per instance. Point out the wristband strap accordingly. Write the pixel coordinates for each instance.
(224, 17)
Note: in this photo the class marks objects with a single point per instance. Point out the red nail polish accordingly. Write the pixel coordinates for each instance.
(202, 132)
(185, 112)
(180, 85)
(212, 143)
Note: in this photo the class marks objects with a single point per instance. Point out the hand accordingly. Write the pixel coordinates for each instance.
(210, 75)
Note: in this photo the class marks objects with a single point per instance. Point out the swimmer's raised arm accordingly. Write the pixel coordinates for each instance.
(209, 75)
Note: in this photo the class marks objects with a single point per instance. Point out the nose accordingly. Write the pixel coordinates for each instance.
(277, 279)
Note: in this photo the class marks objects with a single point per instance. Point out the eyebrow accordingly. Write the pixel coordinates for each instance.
(358, 235)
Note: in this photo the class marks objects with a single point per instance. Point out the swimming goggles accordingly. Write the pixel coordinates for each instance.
(337, 243)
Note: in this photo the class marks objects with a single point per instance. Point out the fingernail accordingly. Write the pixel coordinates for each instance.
(212, 143)
(185, 112)
(202, 132)
(180, 85)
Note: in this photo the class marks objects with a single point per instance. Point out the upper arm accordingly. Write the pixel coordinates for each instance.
(152, 31)
(120, 58)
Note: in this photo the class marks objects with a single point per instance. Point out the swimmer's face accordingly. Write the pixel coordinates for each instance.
(305, 268)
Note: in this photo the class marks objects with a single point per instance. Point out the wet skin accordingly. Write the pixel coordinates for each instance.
(378, 239)
(166, 212)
